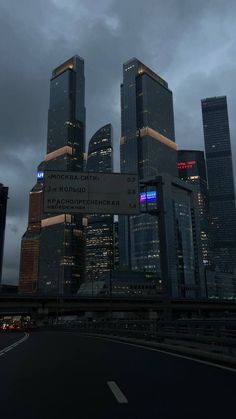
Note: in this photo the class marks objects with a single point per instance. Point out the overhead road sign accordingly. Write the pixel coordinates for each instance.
(91, 193)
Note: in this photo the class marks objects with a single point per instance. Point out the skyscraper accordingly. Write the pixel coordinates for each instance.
(30, 243)
(192, 169)
(58, 261)
(174, 204)
(100, 228)
(3, 212)
(147, 148)
(222, 210)
(100, 151)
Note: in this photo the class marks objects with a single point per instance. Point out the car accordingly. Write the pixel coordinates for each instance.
(4, 327)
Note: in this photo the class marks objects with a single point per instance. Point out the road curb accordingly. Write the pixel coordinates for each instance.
(222, 360)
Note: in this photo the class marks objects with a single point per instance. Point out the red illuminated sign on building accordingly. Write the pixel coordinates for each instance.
(186, 164)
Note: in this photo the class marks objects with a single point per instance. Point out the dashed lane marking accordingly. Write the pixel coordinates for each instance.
(120, 397)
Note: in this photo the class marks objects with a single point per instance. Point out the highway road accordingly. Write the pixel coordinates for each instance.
(65, 375)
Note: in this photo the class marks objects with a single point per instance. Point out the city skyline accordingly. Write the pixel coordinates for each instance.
(24, 93)
(117, 208)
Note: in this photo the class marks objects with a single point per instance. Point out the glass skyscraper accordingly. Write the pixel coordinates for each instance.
(192, 169)
(100, 151)
(30, 243)
(222, 210)
(100, 228)
(3, 212)
(173, 204)
(147, 148)
(57, 262)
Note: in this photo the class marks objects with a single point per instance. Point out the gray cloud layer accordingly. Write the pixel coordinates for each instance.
(191, 44)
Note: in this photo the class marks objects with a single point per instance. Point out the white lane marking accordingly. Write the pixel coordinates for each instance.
(120, 397)
(212, 364)
(10, 347)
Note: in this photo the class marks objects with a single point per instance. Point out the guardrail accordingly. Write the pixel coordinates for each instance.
(217, 337)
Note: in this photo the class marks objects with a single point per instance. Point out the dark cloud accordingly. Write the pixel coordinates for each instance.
(190, 43)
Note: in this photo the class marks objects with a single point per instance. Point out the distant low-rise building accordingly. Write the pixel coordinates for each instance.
(124, 283)
(221, 285)
(8, 289)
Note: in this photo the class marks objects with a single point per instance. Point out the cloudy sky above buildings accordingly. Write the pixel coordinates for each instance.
(190, 43)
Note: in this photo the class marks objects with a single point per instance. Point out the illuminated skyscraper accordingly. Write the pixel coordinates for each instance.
(192, 169)
(100, 151)
(3, 212)
(147, 148)
(30, 243)
(222, 208)
(100, 228)
(52, 254)
(173, 203)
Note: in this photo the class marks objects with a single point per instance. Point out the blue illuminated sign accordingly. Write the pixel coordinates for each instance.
(149, 196)
(40, 175)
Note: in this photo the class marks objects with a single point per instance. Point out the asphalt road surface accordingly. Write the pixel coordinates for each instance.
(65, 375)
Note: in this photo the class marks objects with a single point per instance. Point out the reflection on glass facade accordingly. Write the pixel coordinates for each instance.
(3, 212)
(147, 148)
(222, 208)
(179, 233)
(192, 169)
(100, 230)
(57, 263)
(100, 151)
(184, 240)
(30, 243)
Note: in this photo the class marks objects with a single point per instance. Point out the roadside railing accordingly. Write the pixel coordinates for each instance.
(215, 336)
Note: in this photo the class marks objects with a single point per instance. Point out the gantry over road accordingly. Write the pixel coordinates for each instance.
(50, 305)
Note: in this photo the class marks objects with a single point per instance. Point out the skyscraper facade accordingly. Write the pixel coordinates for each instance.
(100, 228)
(30, 243)
(58, 262)
(192, 169)
(3, 212)
(174, 204)
(222, 209)
(148, 148)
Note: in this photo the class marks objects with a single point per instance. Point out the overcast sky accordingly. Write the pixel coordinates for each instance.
(190, 43)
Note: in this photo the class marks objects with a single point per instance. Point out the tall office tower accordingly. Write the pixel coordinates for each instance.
(30, 243)
(174, 204)
(99, 231)
(3, 212)
(192, 169)
(148, 148)
(222, 208)
(57, 264)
